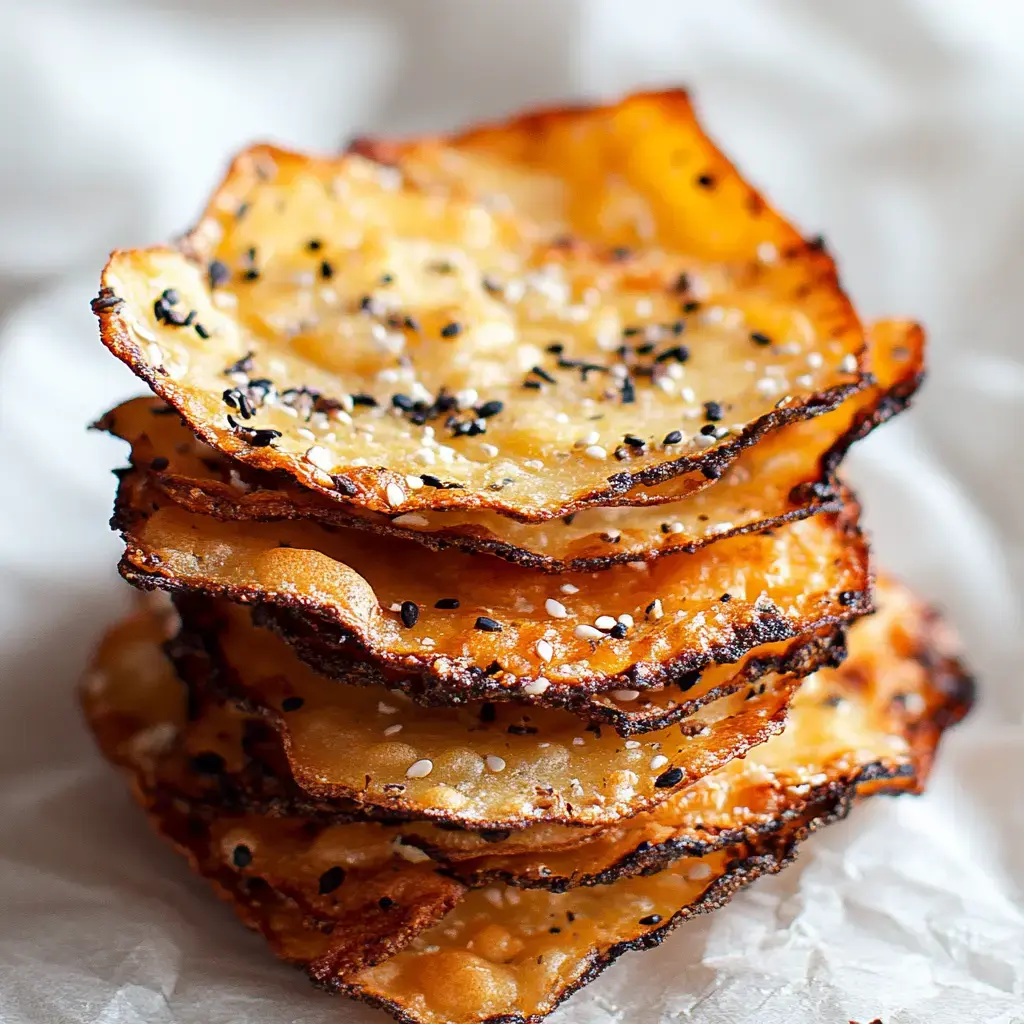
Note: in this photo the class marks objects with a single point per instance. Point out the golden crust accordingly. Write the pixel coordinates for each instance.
(488, 956)
(471, 337)
(788, 477)
(330, 594)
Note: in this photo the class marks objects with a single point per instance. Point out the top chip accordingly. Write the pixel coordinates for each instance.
(393, 332)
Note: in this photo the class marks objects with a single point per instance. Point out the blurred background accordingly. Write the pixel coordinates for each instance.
(894, 127)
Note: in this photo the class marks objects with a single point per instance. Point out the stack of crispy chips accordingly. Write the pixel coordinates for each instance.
(494, 478)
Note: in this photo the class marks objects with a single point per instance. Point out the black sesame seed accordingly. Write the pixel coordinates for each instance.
(682, 283)
(669, 778)
(848, 597)
(633, 441)
(257, 438)
(628, 392)
(759, 338)
(555, 930)
(632, 332)
(487, 624)
(725, 598)
(252, 274)
(346, 486)
(241, 856)
(543, 374)
(201, 331)
(243, 365)
(385, 903)
(326, 270)
(410, 613)
(705, 180)
(618, 631)
(208, 762)
(532, 385)
(330, 880)
(713, 411)
(673, 437)
(314, 245)
(495, 835)
(365, 400)
(170, 296)
(447, 603)
(218, 273)
(292, 703)
(556, 348)
(708, 430)
(159, 464)
(450, 330)
(691, 307)
(651, 919)
(438, 484)
(489, 409)
(680, 353)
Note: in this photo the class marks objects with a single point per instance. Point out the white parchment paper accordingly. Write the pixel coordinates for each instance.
(894, 126)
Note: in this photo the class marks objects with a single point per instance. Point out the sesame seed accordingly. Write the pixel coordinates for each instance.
(392, 730)
(626, 695)
(447, 603)
(420, 769)
(410, 612)
(487, 624)
(241, 856)
(292, 703)
(569, 588)
(651, 919)
(578, 741)
(626, 619)
(658, 761)
(673, 437)
(654, 609)
(585, 632)
(848, 364)
(319, 457)
(669, 778)
(535, 687)
(544, 650)
(760, 338)
(330, 880)
(632, 744)
(495, 763)
(618, 631)
(394, 494)
(555, 609)
(595, 451)
(451, 330)
(592, 438)
(411, 519)
(386, 709)
(604, 622)
(699, 871)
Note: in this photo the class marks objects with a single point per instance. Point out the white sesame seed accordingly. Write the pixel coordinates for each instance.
(392, 729)
(568, 588)
(658, 761)
(535, 687)
(466, 398)
(675, 527)
(495, 763)
(411, 519)
(543, 746)
(604, 622)
(626, 619)
(386, 709)
(656, 611)
(413, 854)
(585, 632)
(533, 464)
(595, 451)
(306, 434)
(699, 871)
(766, 386)
(490, 450)
(703, 440)
(687, 394)
(394, 494)
(767, 253)
(544, 650)
(420, 769)
(848, 364)
(414, 483)
(319, 457)
(446, 454)
(493, 896)
(592, 438)
(578, 741)
(632, 744)
(555, 608)
(815, 360)
(426, 456)
(626, 695)
(396, 606)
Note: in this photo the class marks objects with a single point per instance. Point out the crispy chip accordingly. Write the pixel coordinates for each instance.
(788, 477)
(400, 347)
(502, 951)
(358, 606)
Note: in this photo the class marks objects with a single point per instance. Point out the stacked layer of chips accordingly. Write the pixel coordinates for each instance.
(494, 478)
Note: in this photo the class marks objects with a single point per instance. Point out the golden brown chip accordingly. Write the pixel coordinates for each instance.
(488, 766)
(359, 606)
(402, 347)
(354, 875)
(789, 476)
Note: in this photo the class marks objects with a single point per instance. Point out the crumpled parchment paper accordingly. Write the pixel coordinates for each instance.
(894, 126)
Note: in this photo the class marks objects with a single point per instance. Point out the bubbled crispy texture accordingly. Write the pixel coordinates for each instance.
(329, 297)
(788, 477)
(491, 766)
(501, 951)
(343, 599)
